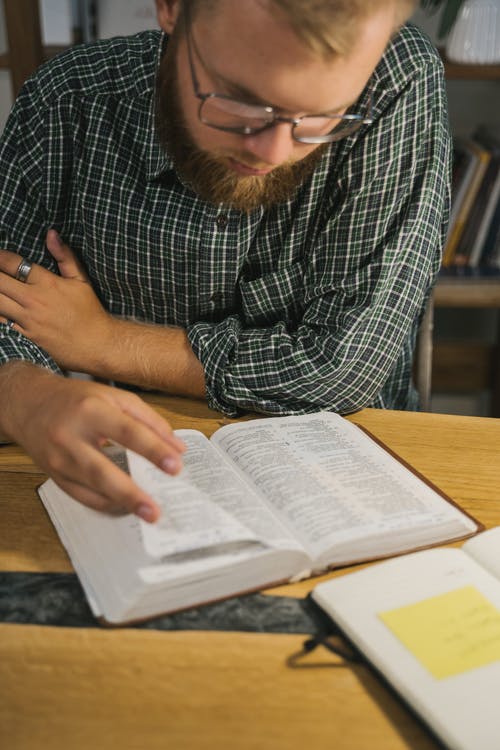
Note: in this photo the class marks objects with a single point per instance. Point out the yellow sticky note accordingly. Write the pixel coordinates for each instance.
(450, 633)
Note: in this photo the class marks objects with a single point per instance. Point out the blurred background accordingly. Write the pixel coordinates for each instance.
(466, 335)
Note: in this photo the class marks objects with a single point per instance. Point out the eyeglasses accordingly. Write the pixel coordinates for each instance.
(232, 116)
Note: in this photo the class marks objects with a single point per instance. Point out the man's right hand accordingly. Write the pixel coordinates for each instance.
(63, 425)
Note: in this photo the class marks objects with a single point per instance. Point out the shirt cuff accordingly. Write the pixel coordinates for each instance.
(15, 346)
(216, 345)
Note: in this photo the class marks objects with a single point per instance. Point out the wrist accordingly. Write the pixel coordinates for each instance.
(123, 353)
(100, 348)
(19, 381)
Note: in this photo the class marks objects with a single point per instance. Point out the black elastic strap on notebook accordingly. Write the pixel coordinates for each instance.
(327, 635)
(333, 642)
(340, 647)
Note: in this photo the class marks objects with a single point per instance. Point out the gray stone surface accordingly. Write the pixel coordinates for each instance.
(58, 599)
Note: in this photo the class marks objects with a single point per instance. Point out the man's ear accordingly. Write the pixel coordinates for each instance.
(167, 12)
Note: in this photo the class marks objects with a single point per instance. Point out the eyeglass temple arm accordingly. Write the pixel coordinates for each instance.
(187, 26)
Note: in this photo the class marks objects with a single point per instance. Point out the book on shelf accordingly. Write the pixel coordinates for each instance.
(478, 253)
(471, 239)
(464, 165)
(466, 191)
(262, 502)
(471, 246)
(491, 252)
(429, 624)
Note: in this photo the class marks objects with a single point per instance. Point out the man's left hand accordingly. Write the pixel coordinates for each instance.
(61, 314)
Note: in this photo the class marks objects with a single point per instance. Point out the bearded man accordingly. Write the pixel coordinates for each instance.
(248, 206)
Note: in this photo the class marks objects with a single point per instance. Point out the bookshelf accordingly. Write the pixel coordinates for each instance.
(24, 53)
(467, 293)
(467, 366)
(460, 72)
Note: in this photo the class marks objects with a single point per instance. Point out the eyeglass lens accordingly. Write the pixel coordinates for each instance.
(229, 114)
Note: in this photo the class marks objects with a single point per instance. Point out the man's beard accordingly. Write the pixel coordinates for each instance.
(207, 172)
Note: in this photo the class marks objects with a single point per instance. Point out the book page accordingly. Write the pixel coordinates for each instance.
(330, 483)
(485, 549)
(207, 505)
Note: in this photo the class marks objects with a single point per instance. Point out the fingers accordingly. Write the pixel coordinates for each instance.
(126, 430)
(9, 264)
(63, 425)
(136, 408)
(69, 265)
(14, 287)
(117, 495)
(16, 301)
(12, 325)
(77, 464)
(10, 313)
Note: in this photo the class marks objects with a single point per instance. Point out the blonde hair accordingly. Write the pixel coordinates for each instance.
(327, 27)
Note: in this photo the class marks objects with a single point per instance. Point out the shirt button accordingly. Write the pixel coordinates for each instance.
(221, 221)
(217, 298)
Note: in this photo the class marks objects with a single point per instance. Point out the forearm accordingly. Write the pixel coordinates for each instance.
(16, 378)
(148, 356)
(7, 375)
(87, 338)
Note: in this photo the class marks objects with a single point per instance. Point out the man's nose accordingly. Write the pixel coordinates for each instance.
(272, 146)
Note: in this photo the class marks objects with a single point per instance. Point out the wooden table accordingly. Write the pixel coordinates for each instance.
(81, 688)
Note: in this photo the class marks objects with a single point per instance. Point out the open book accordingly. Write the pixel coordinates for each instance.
(429, 623)
(261, 502)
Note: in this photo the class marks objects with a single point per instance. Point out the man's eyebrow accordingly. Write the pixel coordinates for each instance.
(239, 91)
(232, 88)
(246, 95)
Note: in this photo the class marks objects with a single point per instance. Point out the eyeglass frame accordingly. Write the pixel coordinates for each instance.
(360, 120)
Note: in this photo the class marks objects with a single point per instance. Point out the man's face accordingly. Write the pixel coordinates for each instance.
(242, 51)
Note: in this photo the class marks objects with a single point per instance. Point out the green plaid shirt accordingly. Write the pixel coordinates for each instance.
(311, 305)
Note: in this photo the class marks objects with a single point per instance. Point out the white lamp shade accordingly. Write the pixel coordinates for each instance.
(475, 36)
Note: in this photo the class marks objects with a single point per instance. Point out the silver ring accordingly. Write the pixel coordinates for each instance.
(10, 324)
(23, 270)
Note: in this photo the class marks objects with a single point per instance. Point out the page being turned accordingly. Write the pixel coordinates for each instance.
(207, 505)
